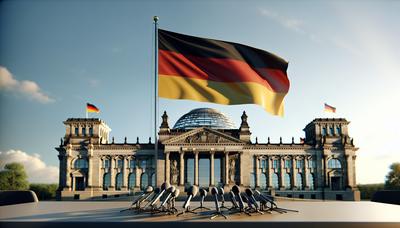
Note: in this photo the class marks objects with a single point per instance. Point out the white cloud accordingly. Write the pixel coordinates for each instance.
(29, 89)
(36, 169)
(290, 23)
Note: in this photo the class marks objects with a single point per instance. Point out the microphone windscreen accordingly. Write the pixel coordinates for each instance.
(171, 189)
(221, 191)
(249, 192)
(203, 192)
(236, 189)
(157, 190)
(214, 191)
(149, 189)
(176, 193)
(195, 190)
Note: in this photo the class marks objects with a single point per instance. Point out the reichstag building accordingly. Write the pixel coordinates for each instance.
(204, 148)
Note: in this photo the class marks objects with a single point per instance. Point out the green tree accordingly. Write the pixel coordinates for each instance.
(44, 191)
(393, 177)
(13, 177)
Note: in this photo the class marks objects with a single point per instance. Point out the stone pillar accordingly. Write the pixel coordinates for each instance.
(241, 165)
(349, 171)
(112, 172)
(167, 167)
(270, 172)
(125, 174)
(68, 172)
(90, 171)
(306, 183)
(196, 168)
(257, 171)
(326, 181)
(212, 168)
(281, 174)
(294, 172)
(137, 174)
(320, 175)
(182, 168)
(226, 176)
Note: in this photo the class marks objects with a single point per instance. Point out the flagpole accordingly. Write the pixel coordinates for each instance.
(155, 19)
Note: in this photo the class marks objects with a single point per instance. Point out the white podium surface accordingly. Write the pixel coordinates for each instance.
(109, 211)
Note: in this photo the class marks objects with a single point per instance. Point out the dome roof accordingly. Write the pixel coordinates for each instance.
(204, 117)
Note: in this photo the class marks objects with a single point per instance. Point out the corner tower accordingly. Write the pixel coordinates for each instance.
(85, 130)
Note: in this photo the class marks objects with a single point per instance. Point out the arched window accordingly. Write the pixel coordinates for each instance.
(144, 181)
(132, 180)
(311, 181)
(106, 181)
(120, 164)
(81, 163)
(287, 181)
(118, 181)
(323, 131)
(334, 164)
(288, 164)
(252, 180)
(263, 181)
(275, 181)
(339, 130)
(299, 181)
(143, 164)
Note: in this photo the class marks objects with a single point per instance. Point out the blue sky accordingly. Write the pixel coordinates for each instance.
(62, 54)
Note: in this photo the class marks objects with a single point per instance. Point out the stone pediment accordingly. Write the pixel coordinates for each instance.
(202, 135)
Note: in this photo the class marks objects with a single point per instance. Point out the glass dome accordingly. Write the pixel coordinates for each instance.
(204, 117)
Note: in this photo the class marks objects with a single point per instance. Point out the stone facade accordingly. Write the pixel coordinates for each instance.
(321, 166)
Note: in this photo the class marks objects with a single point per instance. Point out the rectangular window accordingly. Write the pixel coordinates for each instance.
(84, 131)
(288, 164)
(332, 131)
(275, 164)
(323, 131)
(91, 131)
(263, 164)
(338, 130)
(120, 164)
(106, 164)
(132, 164)
(76, 131)
(300, 164)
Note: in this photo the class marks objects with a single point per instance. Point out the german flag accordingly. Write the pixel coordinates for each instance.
(328, 108)
(91, 108)
(220, 72)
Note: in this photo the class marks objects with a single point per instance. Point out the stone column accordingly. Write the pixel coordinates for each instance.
(270, 172)
(90, 171)
(257, 171)
(306, 183)
(212, 181)
(125, 174)
(196, 168)
(326, 181)
(112, 172)
(68, 172)
(294, 172)
(182, 168)
(226, 177)
(349, 171)
(281, 174)
(137, 174)
(167, 167)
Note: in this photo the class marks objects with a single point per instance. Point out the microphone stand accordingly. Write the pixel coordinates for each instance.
(203, 194)
(214, 192)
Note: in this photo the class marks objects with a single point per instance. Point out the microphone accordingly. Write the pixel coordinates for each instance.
(266, 199)
(214, 192)
(251, 198)
(236, 191)
(155, 193)
(192, 192)
(233, 199)
(164, 186)
(146, 193)
(170, 190)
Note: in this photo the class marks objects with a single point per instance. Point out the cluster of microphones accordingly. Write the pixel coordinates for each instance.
(162, 200)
